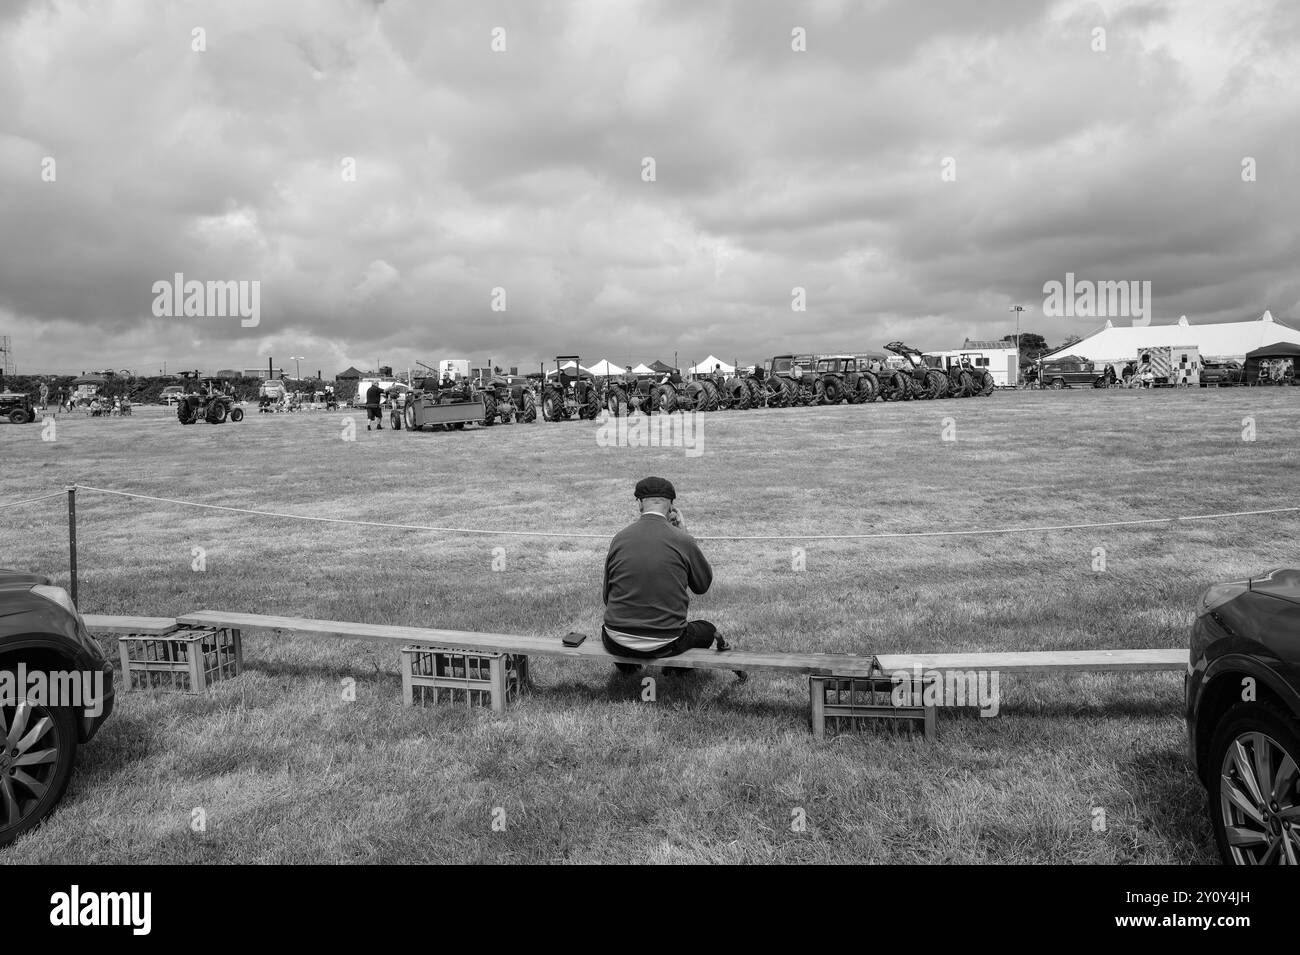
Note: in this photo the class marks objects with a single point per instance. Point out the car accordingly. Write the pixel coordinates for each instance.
(1068, 372)
(1221, 374)
(1242, 707)
(172, 394)
(41, 632)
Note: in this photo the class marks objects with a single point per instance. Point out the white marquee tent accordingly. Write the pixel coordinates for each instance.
(643, 369)
(1221, 340)
(606, 367)
(707, 366)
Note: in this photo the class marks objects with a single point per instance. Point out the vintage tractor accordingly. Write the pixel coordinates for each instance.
(506, 401)
(631, 394)
(16, 408)
(213, 404)
(569, 392)
(964, 379)
(845, 378)
(791, 381)
(928, 382)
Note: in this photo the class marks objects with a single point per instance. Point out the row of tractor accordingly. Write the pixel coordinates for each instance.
(570, 392)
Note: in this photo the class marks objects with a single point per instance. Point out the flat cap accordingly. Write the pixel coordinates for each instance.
(655, 487)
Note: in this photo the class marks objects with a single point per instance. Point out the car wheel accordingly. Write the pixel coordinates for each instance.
(39, 748)
(1058, 384)
(1254, 796)
(19, 416)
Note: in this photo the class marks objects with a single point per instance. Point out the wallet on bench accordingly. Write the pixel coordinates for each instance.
(574, 639)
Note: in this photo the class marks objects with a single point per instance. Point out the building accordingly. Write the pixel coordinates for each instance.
(263, 372)
(1116, 345)
(1000, 359)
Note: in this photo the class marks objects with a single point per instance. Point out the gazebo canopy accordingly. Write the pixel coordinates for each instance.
(706, 367)
(643, 369)
(660, 367)
(605, 367)
(1275, 350)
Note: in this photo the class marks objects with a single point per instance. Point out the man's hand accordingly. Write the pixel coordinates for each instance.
(675, 518)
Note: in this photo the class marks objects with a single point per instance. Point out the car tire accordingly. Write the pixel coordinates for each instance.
(1243, 734)
(1058, 384)
(19, 416)
(20, 809)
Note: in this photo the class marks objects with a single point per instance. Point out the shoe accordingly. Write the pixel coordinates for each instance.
(720, 644)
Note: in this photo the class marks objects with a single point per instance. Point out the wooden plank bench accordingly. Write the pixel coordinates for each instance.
(111, 623)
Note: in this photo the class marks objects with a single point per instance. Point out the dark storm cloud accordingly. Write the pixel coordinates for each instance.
(522, 170)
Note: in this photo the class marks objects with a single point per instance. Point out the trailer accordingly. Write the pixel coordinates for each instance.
(439, 411)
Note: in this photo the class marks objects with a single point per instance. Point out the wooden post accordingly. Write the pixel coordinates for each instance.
(817, 699)
(497, 670)
(72, 539)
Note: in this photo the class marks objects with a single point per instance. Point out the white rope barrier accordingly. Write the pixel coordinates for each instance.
(987, 531)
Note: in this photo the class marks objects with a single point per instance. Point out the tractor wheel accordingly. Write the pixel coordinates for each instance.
(740, 394)
(395, 420)
(19, 416)
(616, 401)
(936, 384)
(236, 415)
(721, 399)
(986, 384)
(589, 410)
(895, 388)
(666, 399)
(775, 393)
(868, 388)
(409, 415)
(968, 386)
(489, 409)
(832, 390)
(757, 393)
(185, 412)
(553, 408)
(507, 411)
(795, 396)
(216, 413)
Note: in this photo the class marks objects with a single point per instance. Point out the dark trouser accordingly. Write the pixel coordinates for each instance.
(699, 634)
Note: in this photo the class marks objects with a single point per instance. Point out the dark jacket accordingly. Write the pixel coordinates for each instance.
(374, 394)
(650, 572)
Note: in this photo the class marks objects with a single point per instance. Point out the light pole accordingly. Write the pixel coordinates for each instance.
(297, 373)
(1017, 309)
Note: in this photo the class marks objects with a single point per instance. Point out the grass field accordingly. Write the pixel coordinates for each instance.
(287, 771)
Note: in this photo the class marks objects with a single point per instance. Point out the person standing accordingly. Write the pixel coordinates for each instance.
(45, 396)
(374, 395)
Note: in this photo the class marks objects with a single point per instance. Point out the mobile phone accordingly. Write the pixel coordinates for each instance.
(574, 639)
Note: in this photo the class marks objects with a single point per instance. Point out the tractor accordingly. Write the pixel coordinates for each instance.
(964, 379)
(924, 381)
(506, 401)
(16, 408)
(845, 378)
(446, 405)
(214, 404)
(632, 394)
(791, 381)
(569, 392)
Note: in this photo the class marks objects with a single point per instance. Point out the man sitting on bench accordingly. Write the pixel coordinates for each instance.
(652, 568)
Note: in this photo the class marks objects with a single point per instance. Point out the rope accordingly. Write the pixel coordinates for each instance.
(753, 537)
(33, 500)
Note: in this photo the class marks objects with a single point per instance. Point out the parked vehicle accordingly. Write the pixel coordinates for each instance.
(440, 406)
(1222, 374)
(16, 408)
(845, 378)
(172, 394)
(570, 392)
(1242, 695)
(927, 381)
(1068, 372)
(42, 631)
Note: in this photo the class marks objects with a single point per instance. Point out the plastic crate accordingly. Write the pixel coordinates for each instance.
(848, 703)
(189, 659)
(472, 677)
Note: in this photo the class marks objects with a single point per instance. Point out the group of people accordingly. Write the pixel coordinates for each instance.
(68, 400)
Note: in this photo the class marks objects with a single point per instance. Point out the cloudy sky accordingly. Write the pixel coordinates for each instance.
(916, 169)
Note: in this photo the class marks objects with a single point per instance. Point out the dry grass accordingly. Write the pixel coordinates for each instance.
(288, 772)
